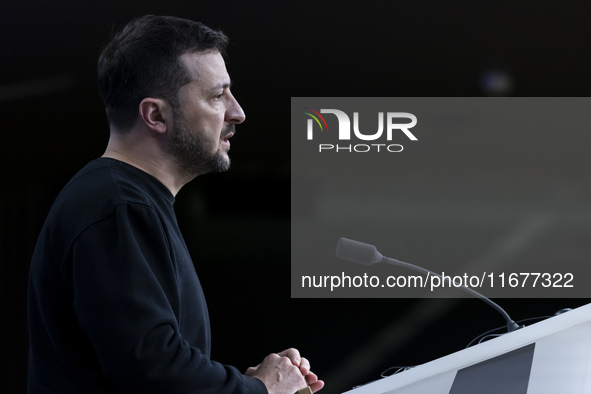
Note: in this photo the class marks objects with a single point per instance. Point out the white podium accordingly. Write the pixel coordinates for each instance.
(549, 357)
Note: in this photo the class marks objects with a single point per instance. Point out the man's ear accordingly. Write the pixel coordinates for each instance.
(156, 114)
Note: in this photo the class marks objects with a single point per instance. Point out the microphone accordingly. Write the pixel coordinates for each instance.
(366, 254)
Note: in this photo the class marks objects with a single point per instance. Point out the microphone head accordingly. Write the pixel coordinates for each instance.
(357, 252)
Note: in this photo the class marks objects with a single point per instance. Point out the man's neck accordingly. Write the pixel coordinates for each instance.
(149, 158)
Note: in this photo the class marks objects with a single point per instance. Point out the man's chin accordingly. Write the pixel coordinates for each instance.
(222, 163)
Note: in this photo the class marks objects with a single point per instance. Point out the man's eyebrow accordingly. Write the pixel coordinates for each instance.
(223, 85)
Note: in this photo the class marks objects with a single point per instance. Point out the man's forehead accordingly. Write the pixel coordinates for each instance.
(206, 65)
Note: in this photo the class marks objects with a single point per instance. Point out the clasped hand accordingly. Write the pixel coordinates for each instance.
(285, 373)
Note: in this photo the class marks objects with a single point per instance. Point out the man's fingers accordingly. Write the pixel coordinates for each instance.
(316, 385)
(313, 382)
(305, 366)
(279, 374)
(293, 355)
(251, 370)
(297, 360)
(311, 377)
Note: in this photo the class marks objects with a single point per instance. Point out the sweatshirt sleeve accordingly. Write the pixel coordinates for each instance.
(126, 297)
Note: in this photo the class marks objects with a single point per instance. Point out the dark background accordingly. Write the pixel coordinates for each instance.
(237, 225)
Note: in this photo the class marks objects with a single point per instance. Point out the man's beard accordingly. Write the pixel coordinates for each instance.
(192, 155)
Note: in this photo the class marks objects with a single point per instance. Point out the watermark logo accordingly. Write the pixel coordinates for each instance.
(390, 122)
(315, 117)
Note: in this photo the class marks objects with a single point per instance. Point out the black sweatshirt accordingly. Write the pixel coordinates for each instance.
(115, 304)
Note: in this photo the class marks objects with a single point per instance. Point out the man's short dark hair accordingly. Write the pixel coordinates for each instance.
(143, 61)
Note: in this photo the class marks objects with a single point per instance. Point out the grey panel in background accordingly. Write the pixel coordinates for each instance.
(492, 187)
